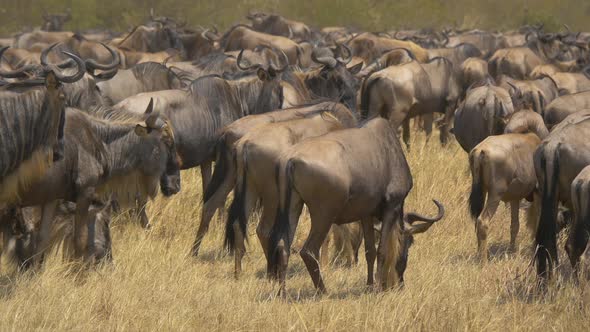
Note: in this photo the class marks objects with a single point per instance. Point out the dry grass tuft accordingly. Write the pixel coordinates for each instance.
(155, 284)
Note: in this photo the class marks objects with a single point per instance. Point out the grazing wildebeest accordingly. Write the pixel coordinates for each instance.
(145, 77)
(483, 113)
(31, 127)
(257, 154)
(127, 157)
(502, 169)
(224, 177)
(345, 176)
(577, 241)
(563, 106)
(558, 160)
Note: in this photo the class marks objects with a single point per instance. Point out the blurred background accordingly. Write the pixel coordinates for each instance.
(371, 15)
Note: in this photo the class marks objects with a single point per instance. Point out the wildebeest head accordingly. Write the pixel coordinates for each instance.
(257, 18)
(50, 76)
(334, 80)
(159, 155)
(270, 96)
(55, 22)
(414, 224)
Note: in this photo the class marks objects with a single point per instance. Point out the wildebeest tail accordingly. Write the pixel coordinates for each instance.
(237, 209)
(477, 196)
(280, 230)
(546, 254)
(222, 159)
(368, 84)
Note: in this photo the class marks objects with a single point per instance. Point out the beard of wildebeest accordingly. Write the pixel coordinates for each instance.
(337, 83)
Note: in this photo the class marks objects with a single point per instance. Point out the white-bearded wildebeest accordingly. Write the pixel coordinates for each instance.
(563, 106)
(558, 160)
(224, 176)
(31, 126)
(257, 154)
(132, 156)
(345, 176)
(399, 93)
(502, 169)
(211, 103)
(483, 113)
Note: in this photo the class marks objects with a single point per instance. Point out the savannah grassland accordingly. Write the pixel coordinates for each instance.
(155, 285)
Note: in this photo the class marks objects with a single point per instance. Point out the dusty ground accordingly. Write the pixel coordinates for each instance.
(155, 284)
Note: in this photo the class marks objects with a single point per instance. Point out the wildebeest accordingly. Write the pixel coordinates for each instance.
(558, 160)
(154, 38)
(145, 77)
(483, 113)
(224, 176)
(279, 26)
(578, 234)
(472, 71)
(257, 154)
(502, 169)
(370, 47)
(31, 127)
(242, 37)
(345, 176)
(55, 22)
(563, 106)
(131, 156)
(394, 57)
(211, 103)
(399, 93)
(457, 54)
(537, 93)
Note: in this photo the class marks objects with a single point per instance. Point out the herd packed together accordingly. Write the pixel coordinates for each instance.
(95, 122)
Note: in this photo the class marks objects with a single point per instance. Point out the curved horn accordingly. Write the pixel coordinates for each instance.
(412, 217)
(66, 64)
(286, 63)
(516, 89)
(326, 61)
(72, 78)
(91, 64)
(204, 34)
(348, 57)
(239, 62)
(290, 32)
(20, 72)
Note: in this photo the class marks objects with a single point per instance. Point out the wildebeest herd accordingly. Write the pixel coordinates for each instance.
(96, 122)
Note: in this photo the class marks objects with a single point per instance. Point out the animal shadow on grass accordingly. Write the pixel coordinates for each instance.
(496, 252)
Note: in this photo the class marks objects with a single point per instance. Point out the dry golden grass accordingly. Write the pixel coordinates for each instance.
(155, 285)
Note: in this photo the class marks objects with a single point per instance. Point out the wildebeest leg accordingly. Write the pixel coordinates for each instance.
(47, 217)
(428, 121)
(83, 231)
(205, 175)
(144, 221)
(514, 224)
(482, 225)
(325, 248)
(240, 247)
(446, 124)
(406, 132)
(215, 202)
(388, 254)
(310, 253)
(370, 251)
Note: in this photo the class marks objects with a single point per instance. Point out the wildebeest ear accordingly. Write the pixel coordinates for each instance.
(51, 81)
(356, 68)
(150, 106)
(262, 74)
(141, 130)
